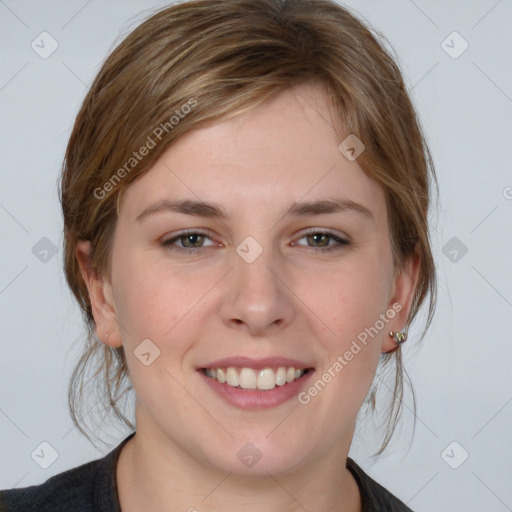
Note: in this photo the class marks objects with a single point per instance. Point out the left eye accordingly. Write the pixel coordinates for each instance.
(321, 239)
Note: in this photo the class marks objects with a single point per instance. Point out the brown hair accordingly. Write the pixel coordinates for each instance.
(203, 61)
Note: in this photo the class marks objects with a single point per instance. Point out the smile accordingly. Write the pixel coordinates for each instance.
(263, 379)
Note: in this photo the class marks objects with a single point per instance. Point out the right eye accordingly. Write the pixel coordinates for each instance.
(188, 241)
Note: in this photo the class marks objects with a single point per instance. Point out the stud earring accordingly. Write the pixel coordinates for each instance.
(399, 337)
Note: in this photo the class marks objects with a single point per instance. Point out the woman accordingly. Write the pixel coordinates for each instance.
(245, 197)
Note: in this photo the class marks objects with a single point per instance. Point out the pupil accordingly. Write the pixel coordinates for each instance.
(193, 240)
(320, 238)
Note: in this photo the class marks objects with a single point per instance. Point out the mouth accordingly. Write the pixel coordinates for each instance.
(259, 379)
(256, 384)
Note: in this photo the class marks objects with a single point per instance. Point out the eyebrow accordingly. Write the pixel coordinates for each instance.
(212, 210)
(186, 206)
(328, 206)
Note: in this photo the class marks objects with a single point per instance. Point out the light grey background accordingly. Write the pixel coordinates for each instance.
(461, 372)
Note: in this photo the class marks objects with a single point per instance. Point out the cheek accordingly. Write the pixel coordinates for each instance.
(353, 307)
(155, 304)
(355, 296)
(157, 301)
(145, 293)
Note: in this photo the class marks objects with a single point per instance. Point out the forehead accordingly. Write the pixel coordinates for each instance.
(278, 152)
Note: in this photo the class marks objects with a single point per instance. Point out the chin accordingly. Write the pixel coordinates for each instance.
(259, 457)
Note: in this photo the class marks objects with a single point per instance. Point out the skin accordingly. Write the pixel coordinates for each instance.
(295, 300)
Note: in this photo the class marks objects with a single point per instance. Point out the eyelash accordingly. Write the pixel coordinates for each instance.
(340, 242)
(170, 241)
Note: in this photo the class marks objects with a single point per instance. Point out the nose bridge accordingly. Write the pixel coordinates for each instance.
(257, 298)
(253, 272)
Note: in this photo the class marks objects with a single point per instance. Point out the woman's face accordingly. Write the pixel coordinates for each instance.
(286, 264)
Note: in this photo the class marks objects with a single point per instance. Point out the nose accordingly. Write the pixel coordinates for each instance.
(257, 299)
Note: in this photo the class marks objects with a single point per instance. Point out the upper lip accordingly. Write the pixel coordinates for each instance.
(247, 362)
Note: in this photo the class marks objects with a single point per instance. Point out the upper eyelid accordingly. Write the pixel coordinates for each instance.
(340, 239)
(326, 231)
(181, 234)
(185, 232)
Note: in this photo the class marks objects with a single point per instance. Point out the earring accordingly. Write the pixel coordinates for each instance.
(108, 334)
(399, 337)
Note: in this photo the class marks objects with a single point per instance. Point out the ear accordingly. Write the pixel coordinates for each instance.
(101, 297)
(402, 293)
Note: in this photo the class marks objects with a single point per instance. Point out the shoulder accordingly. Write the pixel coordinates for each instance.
(374, 497)
(86, 488)
(60, 492)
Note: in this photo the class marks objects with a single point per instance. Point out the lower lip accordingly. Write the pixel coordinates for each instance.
(254, 399)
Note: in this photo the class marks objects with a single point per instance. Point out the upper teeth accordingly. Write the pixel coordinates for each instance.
(248, 378)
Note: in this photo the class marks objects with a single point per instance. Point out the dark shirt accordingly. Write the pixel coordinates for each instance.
(92, 487)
